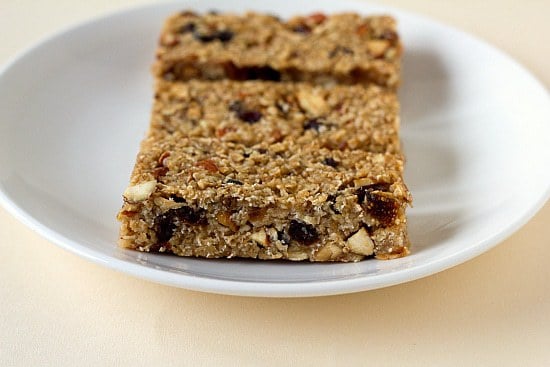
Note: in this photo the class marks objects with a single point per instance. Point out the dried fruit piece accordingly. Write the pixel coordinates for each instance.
(234, 182)
(188, 27)
(390, 36)
(224, 36)
(362, 191)
(262, 73)
(382, 207)
(247, 115)
(330, 162)
(160, 171)
(167, 223)
(204, 37)
(224, 218)
(208, 165)
(283, 237)
(302, 232)
(301, 28)
(378, 202)
(189, 215)
(162, 158)
(312, 124)
(257, 214)
(331, 199)
(362, 29)
(250, 116)
(165, 227)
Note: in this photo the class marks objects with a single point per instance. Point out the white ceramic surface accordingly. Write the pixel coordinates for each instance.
(475, 125)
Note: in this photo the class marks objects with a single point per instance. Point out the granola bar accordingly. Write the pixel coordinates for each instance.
(209, 198)
(340, 117)
(337, 49)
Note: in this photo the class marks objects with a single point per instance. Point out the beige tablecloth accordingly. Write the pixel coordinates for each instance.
(60, 310)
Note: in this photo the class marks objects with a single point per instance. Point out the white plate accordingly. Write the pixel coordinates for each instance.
(476, 130)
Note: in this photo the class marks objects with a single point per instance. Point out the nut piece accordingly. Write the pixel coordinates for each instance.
(312, 103)
(296, 254)
(140, 192)
(260, 237)
(360, 243)
(377, 48)
(329, 252)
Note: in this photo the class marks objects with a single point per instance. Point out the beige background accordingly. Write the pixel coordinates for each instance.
(57, 309)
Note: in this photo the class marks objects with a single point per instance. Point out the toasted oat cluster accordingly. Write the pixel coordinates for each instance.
(292, 167)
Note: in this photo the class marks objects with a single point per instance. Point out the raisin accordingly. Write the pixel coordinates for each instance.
(165, 227)
(312, 124)
(330, 162)
(332, 203)
(186, 28)
(224, 36)
(160, 171)
(246, 115)
(303, 233)
(389, 35)
(262, 73)
(250, 116)
(204, 38)
(189, 215)
(235, 106)
(301, 28)
(177, 199)
(283, 237)
(232, 181)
